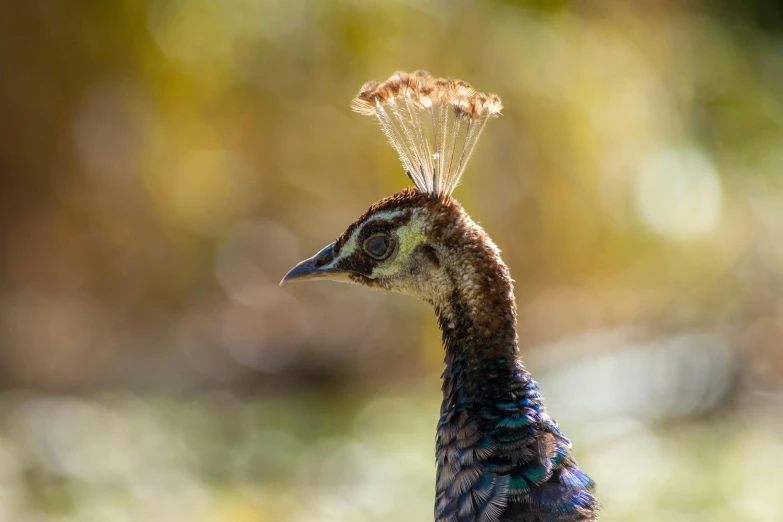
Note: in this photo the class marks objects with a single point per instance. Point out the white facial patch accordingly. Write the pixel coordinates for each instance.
(409, 236)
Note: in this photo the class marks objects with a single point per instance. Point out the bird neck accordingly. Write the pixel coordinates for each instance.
(478, 325)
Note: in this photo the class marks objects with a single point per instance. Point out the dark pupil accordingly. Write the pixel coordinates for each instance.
(377, 246)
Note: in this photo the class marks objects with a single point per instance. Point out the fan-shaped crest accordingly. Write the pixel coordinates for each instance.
(433, 123)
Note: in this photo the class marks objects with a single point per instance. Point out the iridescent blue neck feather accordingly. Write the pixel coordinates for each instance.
(500, 456)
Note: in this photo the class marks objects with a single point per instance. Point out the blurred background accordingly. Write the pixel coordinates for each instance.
(164, 162)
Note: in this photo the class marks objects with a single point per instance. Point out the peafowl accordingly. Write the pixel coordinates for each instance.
(500, 457)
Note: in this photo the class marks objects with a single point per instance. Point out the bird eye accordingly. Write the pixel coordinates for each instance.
(379, 246)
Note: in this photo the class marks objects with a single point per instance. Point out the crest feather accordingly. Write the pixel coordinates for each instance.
(432, 123)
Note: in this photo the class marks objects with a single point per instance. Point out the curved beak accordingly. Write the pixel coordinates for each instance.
(316, 267)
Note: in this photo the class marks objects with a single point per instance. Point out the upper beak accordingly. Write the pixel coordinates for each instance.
(316, 267)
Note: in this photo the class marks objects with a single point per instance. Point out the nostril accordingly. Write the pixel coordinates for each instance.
(322, 260)
(325, 256)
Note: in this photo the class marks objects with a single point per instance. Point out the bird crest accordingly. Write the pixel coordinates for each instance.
(432, 123)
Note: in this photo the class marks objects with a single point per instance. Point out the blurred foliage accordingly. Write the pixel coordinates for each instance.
(164, 162)
(214, 457)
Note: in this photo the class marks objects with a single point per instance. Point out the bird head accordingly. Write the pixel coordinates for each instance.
(412, 242)
(406, 243)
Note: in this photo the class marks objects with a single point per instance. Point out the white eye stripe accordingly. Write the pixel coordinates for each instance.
(350, 246)
(387, 215)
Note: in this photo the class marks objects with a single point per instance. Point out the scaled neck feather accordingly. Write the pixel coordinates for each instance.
(478, 318)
